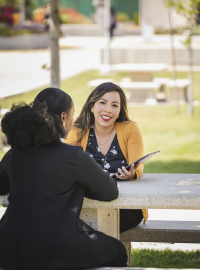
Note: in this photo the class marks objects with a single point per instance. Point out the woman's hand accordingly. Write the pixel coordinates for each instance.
(127, 175)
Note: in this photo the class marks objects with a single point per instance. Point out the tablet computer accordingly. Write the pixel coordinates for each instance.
(141, 160)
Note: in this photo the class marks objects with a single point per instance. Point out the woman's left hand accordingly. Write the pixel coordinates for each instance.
(127, 175)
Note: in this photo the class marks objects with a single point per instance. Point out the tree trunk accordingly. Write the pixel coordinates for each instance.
(190, 76)
(173, 54)
(54, 46)
(106, 57)
(21, 12)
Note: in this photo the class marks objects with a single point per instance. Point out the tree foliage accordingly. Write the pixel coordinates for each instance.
(188, 9)
(28, 3)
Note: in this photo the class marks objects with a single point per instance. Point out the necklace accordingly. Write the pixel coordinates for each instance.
(100, 146)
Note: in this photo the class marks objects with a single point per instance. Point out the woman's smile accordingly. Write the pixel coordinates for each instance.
(106, 117)
(107, 109)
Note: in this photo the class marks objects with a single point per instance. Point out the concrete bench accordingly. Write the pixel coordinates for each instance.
(139, 91)
(94, 83)
(161, 95)
(181, 85)
(151, 191)
(164, 232)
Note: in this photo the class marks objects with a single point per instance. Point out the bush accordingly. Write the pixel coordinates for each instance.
(6, 15)
(6, 31)
(66, 15)
(122, 17)
(177, 31)
(136, 18)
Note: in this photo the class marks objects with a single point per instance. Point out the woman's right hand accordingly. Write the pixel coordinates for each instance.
(125, 174)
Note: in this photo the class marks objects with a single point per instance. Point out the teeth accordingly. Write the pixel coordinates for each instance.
(106, 117)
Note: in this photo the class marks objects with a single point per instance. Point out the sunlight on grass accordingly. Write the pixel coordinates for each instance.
(165, 258)
(175, 135)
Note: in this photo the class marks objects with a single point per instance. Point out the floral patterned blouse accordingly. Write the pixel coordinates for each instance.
(114, 158)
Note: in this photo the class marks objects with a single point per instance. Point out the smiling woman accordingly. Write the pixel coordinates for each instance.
(106, 133)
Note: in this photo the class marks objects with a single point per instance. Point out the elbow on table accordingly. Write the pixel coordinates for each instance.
(114, 195)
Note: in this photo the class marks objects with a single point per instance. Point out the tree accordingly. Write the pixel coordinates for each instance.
(28, 3)
(54, 45)
(189, 10)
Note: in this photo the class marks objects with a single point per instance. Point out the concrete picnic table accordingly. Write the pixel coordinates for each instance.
(139, 72)
(151, 191)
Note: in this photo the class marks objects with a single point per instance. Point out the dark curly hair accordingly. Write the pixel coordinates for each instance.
(39, 122)
(86, 117)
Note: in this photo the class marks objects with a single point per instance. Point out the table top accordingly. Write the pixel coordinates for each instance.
(155, 191)
(129, 67)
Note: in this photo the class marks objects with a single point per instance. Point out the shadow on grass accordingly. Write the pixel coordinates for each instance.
(174, 166)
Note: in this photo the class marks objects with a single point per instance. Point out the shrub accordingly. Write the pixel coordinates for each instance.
(122, 17)
(6, 15)
(7, 31)
(136, 18)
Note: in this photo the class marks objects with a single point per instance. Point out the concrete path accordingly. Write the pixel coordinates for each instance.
(158, 41)
(21, 71)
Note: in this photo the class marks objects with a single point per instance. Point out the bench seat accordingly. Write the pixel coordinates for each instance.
(139, 91)
(181, 85)
(139, 85)
(164, 232)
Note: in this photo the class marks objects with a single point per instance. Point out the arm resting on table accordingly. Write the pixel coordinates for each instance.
(4, 179)
(99, 186)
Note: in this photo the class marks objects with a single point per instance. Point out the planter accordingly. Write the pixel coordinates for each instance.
(24, 42)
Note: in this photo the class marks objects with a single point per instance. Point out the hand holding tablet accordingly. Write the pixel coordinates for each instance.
(137, 162)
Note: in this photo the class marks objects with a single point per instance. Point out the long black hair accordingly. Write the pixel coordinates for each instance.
(39, 122)
(86, 117)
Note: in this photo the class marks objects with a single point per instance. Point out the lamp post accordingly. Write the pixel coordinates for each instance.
(107, 33)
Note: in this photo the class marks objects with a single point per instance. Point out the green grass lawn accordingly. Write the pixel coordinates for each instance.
(176, 135)
(165, 258)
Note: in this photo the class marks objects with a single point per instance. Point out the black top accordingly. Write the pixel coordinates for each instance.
(114, 158)
(41, 228)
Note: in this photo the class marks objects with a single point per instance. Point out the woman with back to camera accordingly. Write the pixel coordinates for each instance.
(105, 131)
(47, 181)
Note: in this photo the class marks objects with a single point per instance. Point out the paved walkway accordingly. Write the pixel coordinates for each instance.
(21, 71)
(158, 41)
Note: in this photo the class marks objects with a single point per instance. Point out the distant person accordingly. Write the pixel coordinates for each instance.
(47, 16)
(198, 16)
(112, 21)
(47, 181)
(106, 133)
(47, 19)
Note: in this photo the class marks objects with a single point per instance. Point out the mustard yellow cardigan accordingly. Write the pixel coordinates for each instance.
(130, 141)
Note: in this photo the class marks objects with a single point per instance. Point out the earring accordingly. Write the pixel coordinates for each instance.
(64, 125)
